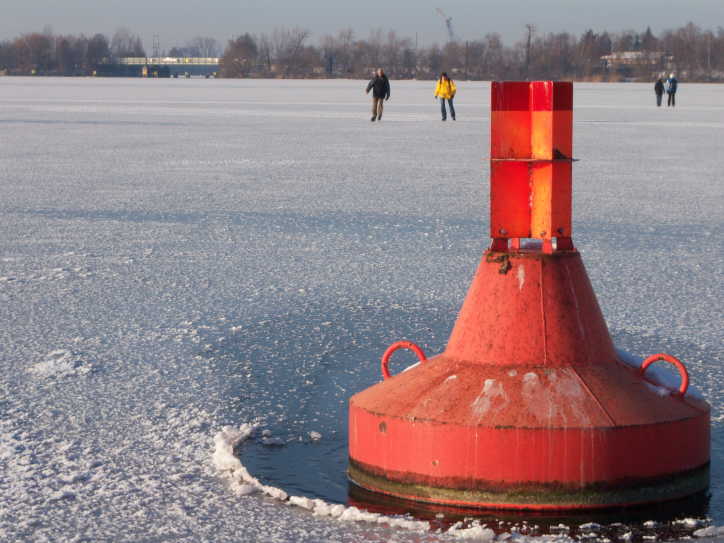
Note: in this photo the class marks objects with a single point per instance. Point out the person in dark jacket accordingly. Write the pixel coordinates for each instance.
(659, 90)
(671, 85)
(380, 87)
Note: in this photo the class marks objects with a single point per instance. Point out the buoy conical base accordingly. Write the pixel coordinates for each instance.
(529, 407)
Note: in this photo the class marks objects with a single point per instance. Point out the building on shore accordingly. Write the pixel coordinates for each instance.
(637, 63)
(161, 67)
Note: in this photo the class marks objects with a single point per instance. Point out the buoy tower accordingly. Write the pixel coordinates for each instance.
(530, 406)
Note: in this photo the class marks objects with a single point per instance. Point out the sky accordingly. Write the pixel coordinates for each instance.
(177, 21)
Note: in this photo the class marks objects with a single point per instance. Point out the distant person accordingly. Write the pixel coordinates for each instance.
(671, 85)
(445, 90)
(380, 87)
(659, 90)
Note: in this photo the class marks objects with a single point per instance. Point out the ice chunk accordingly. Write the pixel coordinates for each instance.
(478, 533)
(60, 363)
(710, 531)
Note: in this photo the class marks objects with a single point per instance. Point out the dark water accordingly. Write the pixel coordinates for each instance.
(294, 372)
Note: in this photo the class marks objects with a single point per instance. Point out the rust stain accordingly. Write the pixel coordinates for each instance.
(503, 259)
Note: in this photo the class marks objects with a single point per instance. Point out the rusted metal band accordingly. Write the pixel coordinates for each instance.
(541, 497)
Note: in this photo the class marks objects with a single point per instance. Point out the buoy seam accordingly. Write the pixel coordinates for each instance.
(615, 427)
(593, 395)
(543, 314)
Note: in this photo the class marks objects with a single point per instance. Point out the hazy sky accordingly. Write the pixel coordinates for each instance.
(176, 21)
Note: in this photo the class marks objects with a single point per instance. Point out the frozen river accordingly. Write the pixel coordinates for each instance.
(181, 255)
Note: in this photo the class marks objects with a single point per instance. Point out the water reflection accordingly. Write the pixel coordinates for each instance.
(665, 521)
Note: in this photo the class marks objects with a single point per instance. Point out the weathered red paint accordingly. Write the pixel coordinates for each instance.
(529, 389)
(530, 199)
(531, 96)
(529, 406)
(531, 153)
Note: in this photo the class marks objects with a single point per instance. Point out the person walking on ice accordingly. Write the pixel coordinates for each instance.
(671, 85)
(380, 87)
(659, 90)
(445, 90)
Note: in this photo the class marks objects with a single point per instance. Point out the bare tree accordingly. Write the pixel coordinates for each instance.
(240, 56)
(97, 52)
(265, 53)
(125, 44)
(8, 56)
(330, 55)
(206, 47)
(288, 49)
(35, 53)
(376, 41)
(345, 44)
(494, 60)
(70, 52)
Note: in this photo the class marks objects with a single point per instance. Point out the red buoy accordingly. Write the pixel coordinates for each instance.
(529, 406)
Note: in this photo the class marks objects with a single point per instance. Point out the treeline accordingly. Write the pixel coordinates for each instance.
(45, 53)
(694, 53)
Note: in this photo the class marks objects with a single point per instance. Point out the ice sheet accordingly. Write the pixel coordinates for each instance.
(178, 256)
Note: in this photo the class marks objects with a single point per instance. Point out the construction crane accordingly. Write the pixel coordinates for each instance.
(448, 24)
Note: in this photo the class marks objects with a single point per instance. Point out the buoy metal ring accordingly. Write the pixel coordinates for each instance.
(399, 345)
(671, 360)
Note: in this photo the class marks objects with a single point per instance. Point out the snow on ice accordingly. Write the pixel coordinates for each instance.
(60, 363)
(181, 257)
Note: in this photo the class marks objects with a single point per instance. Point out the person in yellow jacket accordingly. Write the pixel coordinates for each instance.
(445, 90)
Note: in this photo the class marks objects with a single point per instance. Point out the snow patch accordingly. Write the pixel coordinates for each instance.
(476, 532)
(60, 363)
(492, 390)
(241, 481)
(710, 531)
(689, 522)
(521, 277)
(568, 385)
(530, 380)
